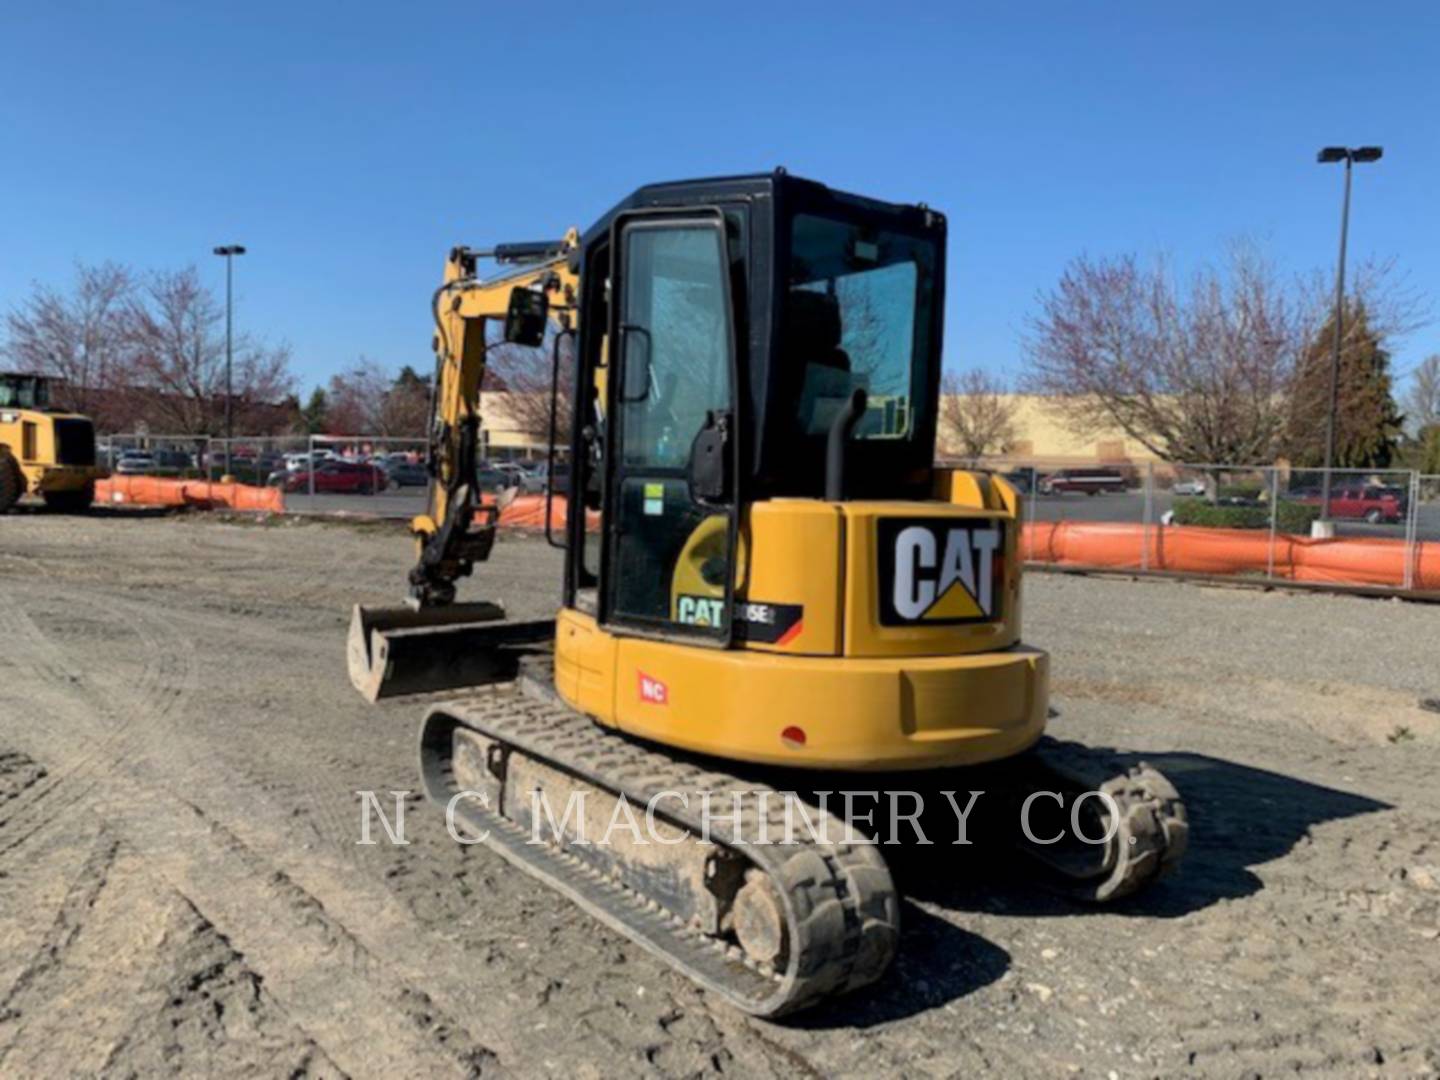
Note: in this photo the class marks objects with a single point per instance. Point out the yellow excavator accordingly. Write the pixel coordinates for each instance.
(771, 594)
(44, 450)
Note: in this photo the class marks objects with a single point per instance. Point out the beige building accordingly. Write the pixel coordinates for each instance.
(1040, 436)
(502, 433)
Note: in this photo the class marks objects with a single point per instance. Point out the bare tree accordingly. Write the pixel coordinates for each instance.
(357, 399)
(1200, 373)
(525, 376)
(76, 336)
(1422, 401)
(175, 349)
(977, 412)
(366, 399)
(1194, 374)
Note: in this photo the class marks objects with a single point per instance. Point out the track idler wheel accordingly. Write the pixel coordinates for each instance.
(758, 918)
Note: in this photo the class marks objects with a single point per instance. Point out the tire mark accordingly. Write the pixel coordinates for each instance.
(45, 963)
(167, 681)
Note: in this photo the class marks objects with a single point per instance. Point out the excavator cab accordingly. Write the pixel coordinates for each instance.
(751, 322)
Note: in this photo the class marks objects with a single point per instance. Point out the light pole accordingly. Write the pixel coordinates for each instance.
(229, 251)
(1329, 156)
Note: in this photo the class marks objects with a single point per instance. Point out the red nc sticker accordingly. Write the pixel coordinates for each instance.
(653, 690)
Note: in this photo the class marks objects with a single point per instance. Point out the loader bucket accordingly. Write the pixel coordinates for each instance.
(400, 650)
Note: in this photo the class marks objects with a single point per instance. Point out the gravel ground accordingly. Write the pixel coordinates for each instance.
(181, 890)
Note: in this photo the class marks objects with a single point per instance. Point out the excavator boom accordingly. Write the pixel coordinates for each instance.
(432, 643)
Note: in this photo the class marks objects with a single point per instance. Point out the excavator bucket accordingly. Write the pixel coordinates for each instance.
(400, 650)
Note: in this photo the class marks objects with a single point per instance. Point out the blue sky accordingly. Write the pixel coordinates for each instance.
(350, 145)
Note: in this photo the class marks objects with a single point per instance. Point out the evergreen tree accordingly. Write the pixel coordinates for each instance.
(1368, 422)
(1425, 451)
(315, 412)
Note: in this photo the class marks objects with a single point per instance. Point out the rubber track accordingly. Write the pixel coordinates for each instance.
(841, 907)
(1153, 829)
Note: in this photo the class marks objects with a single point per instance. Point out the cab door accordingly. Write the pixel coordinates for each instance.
(670, 513)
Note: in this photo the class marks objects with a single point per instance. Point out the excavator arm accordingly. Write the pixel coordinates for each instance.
(456, 531)
(432, 643)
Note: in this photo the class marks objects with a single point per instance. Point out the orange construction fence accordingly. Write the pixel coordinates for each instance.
(204, 494)
(1177, 549)
(1193, 550)
(528, 512)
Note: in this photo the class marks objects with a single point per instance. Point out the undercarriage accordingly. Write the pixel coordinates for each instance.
(766, 896)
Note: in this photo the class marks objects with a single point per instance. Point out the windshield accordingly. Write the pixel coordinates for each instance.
(858, 314)
(23, 392)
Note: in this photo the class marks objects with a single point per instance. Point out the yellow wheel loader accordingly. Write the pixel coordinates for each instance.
(771, 593)
(42, 450)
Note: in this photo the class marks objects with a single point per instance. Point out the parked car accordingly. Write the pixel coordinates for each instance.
(561, 479)
(525, 475)
(1083, 481)
(135, 463)
(1193, 486)
(1022, 480)
(303, 460)
(172, 462)
(407, 474)
(1374, 503)
(493, 478)
(335, 478)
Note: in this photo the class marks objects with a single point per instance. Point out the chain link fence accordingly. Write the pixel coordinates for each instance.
(369, 474)
(1266, 523)
(177, 457)
(1382, 530)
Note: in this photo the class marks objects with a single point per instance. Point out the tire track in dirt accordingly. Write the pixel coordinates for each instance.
(263, 773)
(132, 978)
(407, 1026)
(49, 958)
(367, 1014)
(165, 682)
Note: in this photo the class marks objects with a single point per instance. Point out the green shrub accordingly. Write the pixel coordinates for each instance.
(1289, 517)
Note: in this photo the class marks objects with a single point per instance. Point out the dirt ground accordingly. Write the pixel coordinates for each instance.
(181, 890)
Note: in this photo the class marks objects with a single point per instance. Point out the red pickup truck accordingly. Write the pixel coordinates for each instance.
(1367, 502)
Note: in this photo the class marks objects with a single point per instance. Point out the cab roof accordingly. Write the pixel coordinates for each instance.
(777, 186)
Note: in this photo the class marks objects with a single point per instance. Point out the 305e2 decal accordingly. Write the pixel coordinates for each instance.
(772, 624)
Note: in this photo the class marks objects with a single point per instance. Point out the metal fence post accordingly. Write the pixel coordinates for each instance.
(1412, 530)
(1030, 500)
(310, 468)
(1274, 520)
(1149, 515)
